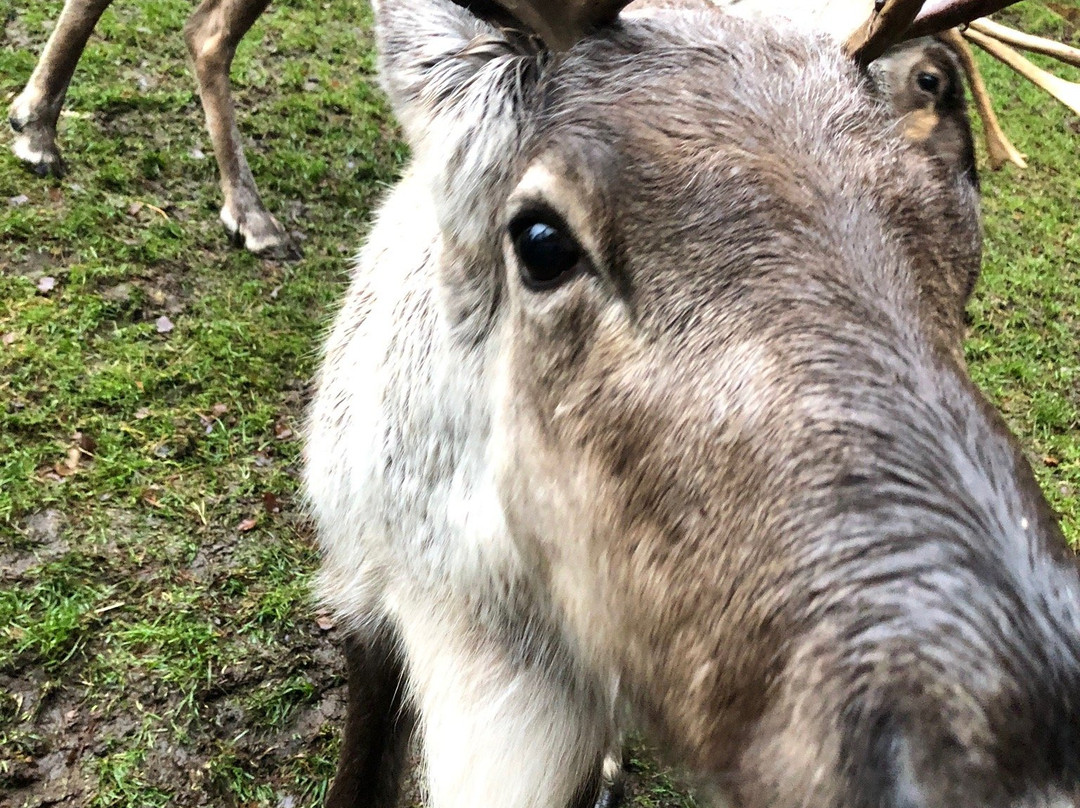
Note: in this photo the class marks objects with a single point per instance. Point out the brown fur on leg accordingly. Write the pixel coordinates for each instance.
(212, 33)
(34, 113)
(377, 727)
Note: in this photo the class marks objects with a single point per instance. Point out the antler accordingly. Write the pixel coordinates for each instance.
(940, 15)
(884, 27)
(1067, 92)
(1035, 44)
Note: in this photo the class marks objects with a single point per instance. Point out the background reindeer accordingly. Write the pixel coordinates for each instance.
(212, 34)
(660, 407)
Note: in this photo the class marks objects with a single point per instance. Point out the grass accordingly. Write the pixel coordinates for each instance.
(157, 644)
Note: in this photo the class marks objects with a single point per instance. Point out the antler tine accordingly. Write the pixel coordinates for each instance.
(1028, 42)
(1067, 92)
(1000, 149)
(940, 15)
(896, 20)
(885, 26)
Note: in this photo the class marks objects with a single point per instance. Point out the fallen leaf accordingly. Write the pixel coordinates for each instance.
(163, 324)
(218, 410)
(50, 475)
(197, 154)
(9, 338)
(271, 503)
(1051, 461)
(325, 622)
(46, 284)
(282, 431)
(134, 208)
(246, 525)
(142, 413)
(56, 195)
(15, 201)
(70, 464)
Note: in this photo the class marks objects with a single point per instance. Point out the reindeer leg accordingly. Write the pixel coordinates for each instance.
(212, 34)
(377, 727)
(34, 112)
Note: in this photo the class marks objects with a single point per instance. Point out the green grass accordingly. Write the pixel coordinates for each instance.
(155, 628)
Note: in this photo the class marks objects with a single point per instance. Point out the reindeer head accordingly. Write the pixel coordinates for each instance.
(720, 297)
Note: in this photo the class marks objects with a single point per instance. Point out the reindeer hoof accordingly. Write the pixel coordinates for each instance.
(261, 234)
(36, 147)
(613, 793)
(611, 796)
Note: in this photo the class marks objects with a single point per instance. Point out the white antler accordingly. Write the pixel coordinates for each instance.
(1035, 44)
(1067, 92)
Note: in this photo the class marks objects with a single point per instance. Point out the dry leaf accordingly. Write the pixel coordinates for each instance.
(70, 464)
(15, 201)
(1051, 461)
(271, 503)
(142, 413)
(9, 338)
(282, 431)
(163, 324)
(325, 622)
(246, 525)
(134, 208)
(218, 410)
(46, 284)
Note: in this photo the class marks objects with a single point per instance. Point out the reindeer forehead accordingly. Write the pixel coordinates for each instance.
(655, 91)
(686, 113)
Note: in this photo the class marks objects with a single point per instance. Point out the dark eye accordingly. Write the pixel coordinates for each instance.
(547, 254)
(928, 82)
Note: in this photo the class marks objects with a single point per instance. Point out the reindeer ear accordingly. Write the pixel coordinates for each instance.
(421, 66)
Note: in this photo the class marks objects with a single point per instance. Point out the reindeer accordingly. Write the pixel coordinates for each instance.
(647, 404)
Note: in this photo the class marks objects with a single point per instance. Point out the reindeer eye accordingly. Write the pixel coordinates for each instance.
(547, 254)
(928, 82)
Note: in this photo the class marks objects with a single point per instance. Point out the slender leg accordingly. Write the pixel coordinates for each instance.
(377, 727)
(498, 730)
(35, 111)
(614, 781)
(212, 34)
